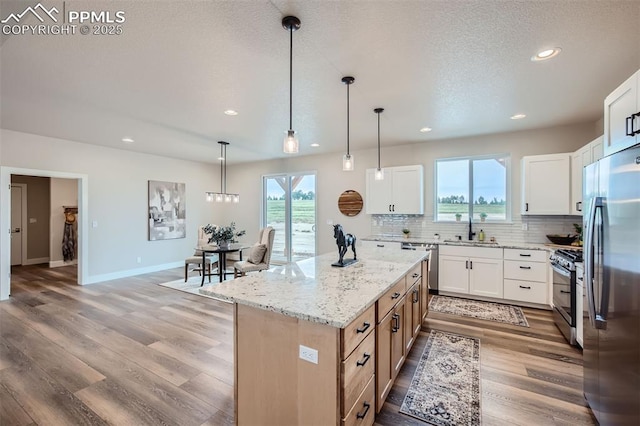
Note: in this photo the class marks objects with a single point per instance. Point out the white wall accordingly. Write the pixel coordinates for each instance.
(332, 181)
(64, 192)
(117, 199)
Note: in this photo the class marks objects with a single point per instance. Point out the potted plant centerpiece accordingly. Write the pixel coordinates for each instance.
(223, 235)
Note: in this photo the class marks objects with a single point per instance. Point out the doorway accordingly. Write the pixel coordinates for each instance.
(18, 223)
(289, 206)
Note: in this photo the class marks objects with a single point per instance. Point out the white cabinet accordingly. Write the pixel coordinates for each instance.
(590, 153)
(526, 276)
(546, 184)
(470, 270)
(400, 192)
(622, 116)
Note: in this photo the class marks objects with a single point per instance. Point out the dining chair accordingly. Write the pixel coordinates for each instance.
(259, 254)
(196, 259)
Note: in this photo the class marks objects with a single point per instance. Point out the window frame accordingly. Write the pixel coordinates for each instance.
(471, 159)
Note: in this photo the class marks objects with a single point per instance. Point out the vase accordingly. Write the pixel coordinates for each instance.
(224, 244)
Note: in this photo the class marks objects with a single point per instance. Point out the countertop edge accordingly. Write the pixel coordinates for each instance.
(463, 243)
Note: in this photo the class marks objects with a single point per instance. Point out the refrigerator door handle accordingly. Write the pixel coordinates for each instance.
(596, 203)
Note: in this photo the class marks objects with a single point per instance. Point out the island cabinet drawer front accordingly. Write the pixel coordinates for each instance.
(526, 255)
(357, 370)
(363, 411)
(466, 251)
(526, 291)
(380, 244)
(390, 298)
(412, 276)
(527, 271)
(359, 328)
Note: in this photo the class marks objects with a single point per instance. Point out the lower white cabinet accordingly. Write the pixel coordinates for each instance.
(526, 276)
(471, 270)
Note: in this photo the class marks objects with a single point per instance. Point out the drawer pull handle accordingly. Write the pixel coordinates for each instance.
(395, 296)
(365, 327)
(416, 297)
(525, 267)
(396, 326)
(379, 245)
(565, 292)
(364, 361)
(526, 287)
(416, 275)
(362, 415)
(524, 255)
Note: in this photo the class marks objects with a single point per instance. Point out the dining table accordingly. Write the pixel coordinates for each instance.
(221, 251)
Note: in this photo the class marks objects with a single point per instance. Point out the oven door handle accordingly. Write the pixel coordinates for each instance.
(561, 271)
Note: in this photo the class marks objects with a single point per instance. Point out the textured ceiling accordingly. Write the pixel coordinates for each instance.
(459, 67)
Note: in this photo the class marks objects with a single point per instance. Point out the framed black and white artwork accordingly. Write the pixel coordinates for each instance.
(167, 210)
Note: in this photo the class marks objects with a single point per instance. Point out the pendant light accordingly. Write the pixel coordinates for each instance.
(347, 160)
(291, 24)
(223, 196)
(379, 175)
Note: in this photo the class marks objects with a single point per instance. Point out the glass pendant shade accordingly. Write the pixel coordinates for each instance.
(219, 198)
(209, 197)
(223, 196)
(290, 143)
(348, 163)
(379, 175)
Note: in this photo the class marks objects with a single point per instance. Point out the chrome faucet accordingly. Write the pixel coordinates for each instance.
(471, 233)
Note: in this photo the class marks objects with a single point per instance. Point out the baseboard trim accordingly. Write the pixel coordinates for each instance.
(59, 263)
(131, 272)
(36, 261)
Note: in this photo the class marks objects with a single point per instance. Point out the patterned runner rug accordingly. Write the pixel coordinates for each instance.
(476, 309)
(191, 286)
(445, 389)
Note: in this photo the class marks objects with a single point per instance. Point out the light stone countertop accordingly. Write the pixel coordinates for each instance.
(475, 243)
(313, 290)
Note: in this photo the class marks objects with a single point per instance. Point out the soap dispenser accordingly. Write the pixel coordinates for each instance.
(481, 235)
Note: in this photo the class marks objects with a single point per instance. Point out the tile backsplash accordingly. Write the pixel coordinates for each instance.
(526, 229)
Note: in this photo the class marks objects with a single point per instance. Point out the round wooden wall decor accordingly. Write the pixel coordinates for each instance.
(350, 203)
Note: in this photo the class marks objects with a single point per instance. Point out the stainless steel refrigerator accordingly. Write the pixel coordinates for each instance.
(612, 283)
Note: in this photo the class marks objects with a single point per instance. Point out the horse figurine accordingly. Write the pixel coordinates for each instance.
(344, 241)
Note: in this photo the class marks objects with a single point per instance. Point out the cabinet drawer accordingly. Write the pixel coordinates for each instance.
(390, 298)
(355, 332)
(412, 276)
(357, 370)
(363, 411)
(526, 255)
(526, 291)
(527, 271)
(467, 251)
(379, 244)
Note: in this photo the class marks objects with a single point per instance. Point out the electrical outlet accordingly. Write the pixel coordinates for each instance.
(309, 354)
(139, 259)
(94, 224)
(329, 222)
(525, 226)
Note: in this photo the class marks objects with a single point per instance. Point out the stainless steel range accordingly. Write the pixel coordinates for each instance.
(563, 263)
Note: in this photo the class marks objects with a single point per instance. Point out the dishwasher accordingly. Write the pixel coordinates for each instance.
(432, 264)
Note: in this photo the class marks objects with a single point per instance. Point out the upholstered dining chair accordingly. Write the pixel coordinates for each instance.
(259, 255)
(196, 259)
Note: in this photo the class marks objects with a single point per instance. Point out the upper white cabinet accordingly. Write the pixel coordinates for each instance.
(546, 186)
(590, 153)
(622, 116)
(400, 192)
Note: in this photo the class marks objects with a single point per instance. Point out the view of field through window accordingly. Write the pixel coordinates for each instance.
(472, 187)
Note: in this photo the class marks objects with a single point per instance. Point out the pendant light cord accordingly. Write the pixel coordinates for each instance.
(378, 141)
(348, 120)
(225, 169)
(221, 168)
(291, 78)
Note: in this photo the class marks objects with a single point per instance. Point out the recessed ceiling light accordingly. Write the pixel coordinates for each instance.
(518, 116)
(546, 54)
(315, 145)
(127, 140)
(231, 112)
(425, 129)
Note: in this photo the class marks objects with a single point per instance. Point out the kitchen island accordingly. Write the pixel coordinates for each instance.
(316, 344)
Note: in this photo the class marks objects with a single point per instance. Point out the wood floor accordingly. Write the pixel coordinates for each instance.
(130, 352)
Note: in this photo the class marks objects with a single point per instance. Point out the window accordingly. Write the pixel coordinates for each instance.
(289, 206)
(475, 187)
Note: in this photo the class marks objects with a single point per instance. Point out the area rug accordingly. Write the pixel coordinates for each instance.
(481, 310)
(445, 389)
(191, 286)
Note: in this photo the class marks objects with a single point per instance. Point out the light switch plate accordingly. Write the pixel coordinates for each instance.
(32, 220)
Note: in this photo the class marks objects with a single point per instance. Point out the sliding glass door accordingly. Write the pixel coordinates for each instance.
(289, 206)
